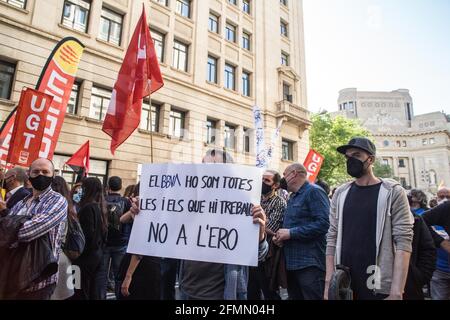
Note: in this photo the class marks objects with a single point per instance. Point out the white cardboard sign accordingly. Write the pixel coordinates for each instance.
(198, 212)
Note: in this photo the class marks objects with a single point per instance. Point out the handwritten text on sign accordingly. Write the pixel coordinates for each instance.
(198, 212)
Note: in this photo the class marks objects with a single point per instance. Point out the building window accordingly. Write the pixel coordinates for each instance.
(424, 142)
(230, 32)
(284, 2)
(404, 144)
(246, 37)
(386, 143)
(246, 84)
(162, 2)
(234, 2)
(284, 59)
(229, 137)
(230, 73)
(184, 8)
(97, 168)
(385, 162)
(158, 41)
(110, 26)
(211, 126)
(76, 14)
(284, 28)
(287, 150)
(432, 141)
(180, 55)
(72, 105)
(247, 132)
(212, 70)
(287, 96)
(398, 144)
(246, 6)
(176, 125)
(99, 103)
(7, 71)
(403, 182)
(213, 23)
(17, 3)
(147, 117)
(408, 111)
(401, 163)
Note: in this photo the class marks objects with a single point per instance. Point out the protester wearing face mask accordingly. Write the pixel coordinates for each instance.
(47, 211)
(371, 228)
(76, 194)
(264, 280)
(15, 191)
(303, 235)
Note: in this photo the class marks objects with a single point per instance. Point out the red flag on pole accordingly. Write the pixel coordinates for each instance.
(313, 164)
(79, 162)
(138, 77)
(29, 125)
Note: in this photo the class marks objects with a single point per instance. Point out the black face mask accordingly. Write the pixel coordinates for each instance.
(265, 189)
(355, 167)
(40, 182)
(283, 184)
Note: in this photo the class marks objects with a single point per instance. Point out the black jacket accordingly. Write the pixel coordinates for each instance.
(422, 263)
(22, 264)
(438, 216)
(15, 198)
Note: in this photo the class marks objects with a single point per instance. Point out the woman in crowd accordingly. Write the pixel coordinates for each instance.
(62, 291)
(94, 222)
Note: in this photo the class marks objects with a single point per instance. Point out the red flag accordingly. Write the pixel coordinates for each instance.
(313, 163)
(79, 162)
(138, 77)
(29, 125)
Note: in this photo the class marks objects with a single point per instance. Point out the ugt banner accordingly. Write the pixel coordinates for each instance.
(56, 80)
(29, 125)
(198, 212)
(313, 163)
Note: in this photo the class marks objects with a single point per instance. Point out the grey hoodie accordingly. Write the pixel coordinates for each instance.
(394, 230)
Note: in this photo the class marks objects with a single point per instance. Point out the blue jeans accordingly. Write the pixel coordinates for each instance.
(306, 284)
(113, 255)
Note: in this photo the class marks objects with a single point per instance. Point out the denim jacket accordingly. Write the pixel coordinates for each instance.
(307, 219)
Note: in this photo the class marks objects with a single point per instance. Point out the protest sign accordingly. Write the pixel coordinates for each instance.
(199, 212)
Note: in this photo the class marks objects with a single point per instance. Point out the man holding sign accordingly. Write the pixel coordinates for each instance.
(201, 213)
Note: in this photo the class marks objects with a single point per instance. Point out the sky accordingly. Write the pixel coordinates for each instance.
(378, 45)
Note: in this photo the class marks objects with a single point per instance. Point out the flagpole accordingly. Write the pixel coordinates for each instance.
(151, 127)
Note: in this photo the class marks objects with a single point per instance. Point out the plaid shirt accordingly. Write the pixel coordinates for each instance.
(274, 208)
(307, 219)
(48, 214)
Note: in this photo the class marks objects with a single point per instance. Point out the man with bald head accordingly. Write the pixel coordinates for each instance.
(303, 235)
(15, 191)
(47, 212)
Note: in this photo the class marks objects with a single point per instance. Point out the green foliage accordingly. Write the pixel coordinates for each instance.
(328, 133)
(382, 170)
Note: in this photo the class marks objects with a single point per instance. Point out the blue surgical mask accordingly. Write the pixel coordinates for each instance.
(77, 196)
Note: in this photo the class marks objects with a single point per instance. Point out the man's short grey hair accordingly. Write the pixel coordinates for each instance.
(51, 162)
(219, 154)
(298, 167)
(20, 173)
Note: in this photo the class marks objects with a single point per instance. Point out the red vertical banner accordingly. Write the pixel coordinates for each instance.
(313, 163)
(57, 78)
(29, 126)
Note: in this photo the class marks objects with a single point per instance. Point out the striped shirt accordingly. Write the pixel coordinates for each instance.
(48, 214)
(274, 208)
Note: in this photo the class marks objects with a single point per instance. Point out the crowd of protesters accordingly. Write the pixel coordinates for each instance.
(369, 239)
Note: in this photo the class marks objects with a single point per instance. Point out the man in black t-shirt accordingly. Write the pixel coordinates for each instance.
(371, 228)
